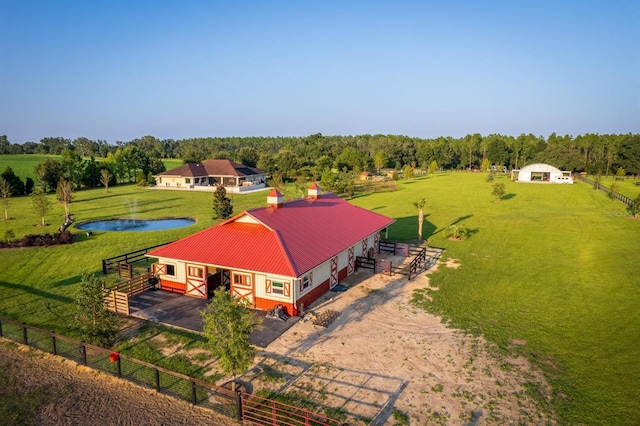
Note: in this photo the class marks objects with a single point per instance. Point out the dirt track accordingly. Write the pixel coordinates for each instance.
(70, 394)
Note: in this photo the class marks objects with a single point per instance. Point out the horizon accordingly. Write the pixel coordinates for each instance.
(118, 71)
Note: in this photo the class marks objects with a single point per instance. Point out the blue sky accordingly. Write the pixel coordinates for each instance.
(118, 70)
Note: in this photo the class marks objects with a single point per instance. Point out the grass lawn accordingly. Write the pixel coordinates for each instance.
(549, 265)
(23, 165)
(548, 272)
(626, 187)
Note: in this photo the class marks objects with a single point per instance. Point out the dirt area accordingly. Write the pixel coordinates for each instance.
(50, 390)
(378, 361)
(382, 361)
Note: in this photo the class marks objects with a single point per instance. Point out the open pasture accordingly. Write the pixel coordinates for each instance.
(549, 271)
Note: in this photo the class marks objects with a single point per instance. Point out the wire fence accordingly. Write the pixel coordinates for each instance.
(218, 399)
(162, 380)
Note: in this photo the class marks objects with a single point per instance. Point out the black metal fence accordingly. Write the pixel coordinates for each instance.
(165, 381)
(111, 264)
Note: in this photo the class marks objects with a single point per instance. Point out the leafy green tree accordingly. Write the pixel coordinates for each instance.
(498, 190)
(620, 173)
(486, 165)
(324, 162)
(28, 185)
(433, 167)
(491, 176)
(420, 206)
(41, 203)
(613, 190)
(407, 172)
(5, 193)
(151, 181)
(634, 208)
(49, 172)
(228, 322)
(96, 323)
(222, 207)
(15, 183)
(248, 156)
(141, 178)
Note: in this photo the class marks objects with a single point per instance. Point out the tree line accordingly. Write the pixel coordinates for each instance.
(591, 153)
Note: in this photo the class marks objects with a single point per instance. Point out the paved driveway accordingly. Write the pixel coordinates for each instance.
(182, 311)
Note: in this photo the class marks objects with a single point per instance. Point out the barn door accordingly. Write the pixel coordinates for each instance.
(242, 288)
(196, 281)
(351, 262)
(376, 243)
(333, 278)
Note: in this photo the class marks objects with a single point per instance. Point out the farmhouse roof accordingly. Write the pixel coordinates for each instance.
(217, 167)
(289, 240)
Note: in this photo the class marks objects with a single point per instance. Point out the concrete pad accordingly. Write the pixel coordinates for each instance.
(178, 310)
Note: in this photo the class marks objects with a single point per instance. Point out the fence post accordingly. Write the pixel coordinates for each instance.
(25, 340)
(104, 267)
(194, 395)
(157, 380)
(83, 352)
(54, 349)
(239, 405)
(0, 328)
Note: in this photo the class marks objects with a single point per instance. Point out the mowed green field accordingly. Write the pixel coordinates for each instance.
(550, 272)
(23, 165)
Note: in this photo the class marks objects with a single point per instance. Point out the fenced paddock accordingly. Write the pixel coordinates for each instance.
(117, 296)
(258, 411)
(421, 258)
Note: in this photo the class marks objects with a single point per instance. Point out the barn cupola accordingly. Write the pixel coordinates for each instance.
(275, 199)
(314, 191)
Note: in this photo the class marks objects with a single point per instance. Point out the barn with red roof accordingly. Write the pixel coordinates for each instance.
(287, 253)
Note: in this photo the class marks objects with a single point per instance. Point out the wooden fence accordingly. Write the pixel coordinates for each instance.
(419, 262)
(243, 407)
(112, 263)
(628, 201)
(117, 296)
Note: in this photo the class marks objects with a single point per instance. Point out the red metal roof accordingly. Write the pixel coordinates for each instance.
(289, 240)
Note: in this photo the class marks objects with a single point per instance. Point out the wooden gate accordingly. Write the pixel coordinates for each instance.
(333, 278)
(257, 410)
(351, 262)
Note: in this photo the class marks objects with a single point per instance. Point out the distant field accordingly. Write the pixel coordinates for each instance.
(24, 164)
(550, 272)
(626, 187)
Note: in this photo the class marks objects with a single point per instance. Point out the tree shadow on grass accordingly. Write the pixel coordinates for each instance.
(507, 196)
(455, 222)
(36, 292)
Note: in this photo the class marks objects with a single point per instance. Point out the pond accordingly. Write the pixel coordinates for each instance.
(135, 225)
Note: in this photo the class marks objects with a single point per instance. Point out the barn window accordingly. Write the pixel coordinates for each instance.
(242, 280)
(187, 180)
(277, 287)
(306, 282)
(195, 271)
(171, 269)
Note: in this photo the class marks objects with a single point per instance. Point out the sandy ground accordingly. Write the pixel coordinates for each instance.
(77, 395)
(384, 362)
(380, 362)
